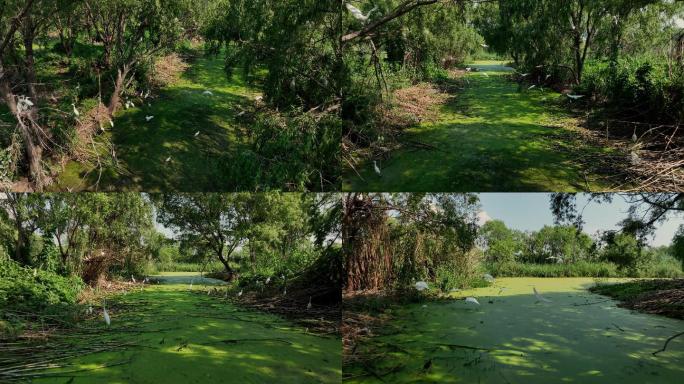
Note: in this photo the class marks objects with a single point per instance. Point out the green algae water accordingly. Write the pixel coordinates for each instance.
(494, 136)
(182, 335)
(512, 337)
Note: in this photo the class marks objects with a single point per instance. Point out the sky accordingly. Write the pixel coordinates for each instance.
(531, 211)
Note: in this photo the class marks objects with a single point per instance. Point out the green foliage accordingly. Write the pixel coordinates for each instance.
(678, 245)
(291, 151)
(22, 290)
(578, 269)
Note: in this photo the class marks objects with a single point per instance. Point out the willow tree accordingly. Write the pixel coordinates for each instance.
(391, 239)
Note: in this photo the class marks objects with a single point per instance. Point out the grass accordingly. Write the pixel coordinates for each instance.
(494, 136)
(180, 110)
(579, 269)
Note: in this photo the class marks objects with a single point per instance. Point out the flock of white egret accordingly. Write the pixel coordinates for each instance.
(422, 286)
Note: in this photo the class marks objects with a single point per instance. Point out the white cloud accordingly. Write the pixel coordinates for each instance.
(482, 218)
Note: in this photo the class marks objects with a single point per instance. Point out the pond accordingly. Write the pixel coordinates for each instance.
(512, 337)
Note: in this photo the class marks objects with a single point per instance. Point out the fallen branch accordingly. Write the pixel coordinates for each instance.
(667, 342)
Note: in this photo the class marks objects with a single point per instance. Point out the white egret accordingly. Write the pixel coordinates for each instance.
(421, 285)
(168, 159)
(489, 278)
(147, 94)
(268, 280)
(472, 300)
(468, 69)
(241, 114)
(111, 123)
(547, 77)
(533, 86)
(106, 316)
(540, 297)
(132, 279)
(377, 169)
(308, 306)
(197, 133)
(258, 99)
(484, 45)
(207, 93)
(148, 118)
(575, 97)
(90, 309)
(240, 293)
(285, 291)
(634, 137)
(75, 110)
(524, 75)
(358, 15)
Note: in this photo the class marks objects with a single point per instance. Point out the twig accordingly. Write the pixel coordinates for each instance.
(667, 342)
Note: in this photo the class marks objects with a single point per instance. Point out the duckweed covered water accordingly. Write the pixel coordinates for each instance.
(185, 336)
(511, 337)
(495, 135)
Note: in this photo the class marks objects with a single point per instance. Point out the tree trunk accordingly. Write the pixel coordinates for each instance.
(28, 32)
(121, 75)
(34, 152)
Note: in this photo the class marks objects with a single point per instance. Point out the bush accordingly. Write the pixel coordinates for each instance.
(662, 269)
(35, 291)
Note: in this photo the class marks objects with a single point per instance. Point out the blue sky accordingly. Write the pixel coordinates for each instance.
(531, 211)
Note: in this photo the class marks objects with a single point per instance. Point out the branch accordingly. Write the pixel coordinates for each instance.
(668, 342)
(399, 11)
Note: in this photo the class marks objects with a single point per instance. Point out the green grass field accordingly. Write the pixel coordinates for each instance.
(180, 111)
(494, 136)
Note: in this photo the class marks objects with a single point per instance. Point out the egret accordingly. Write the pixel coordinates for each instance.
(147, 94)
(148, 118)
(101, 127)
(421, 285)
(532, 86)
(24, 104)
(75, 110)
(168, 159)
(106, 316)
(258, 99)
(377, 169)
(424, 305)
(132, 104)
(358, 15)
(207, 93)
(268, 280)
(484, 45)
(308, 306)
(197, 133)
(575, 97)
(524, 75)
(285, 291)
(240, 293)
(489, 278)
(472, 300)
(241, 114)
(540, 297)
(133, 279)
(634, 137)
(547, 77)
(90, 309)
(468, 69)
(111, 123)
(558, 259)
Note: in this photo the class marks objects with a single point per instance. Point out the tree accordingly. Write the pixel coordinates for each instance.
(678, 245)
(499, 243)
(622, 249)
(222, 223)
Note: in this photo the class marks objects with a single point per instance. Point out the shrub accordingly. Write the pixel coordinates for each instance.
(35, 291)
